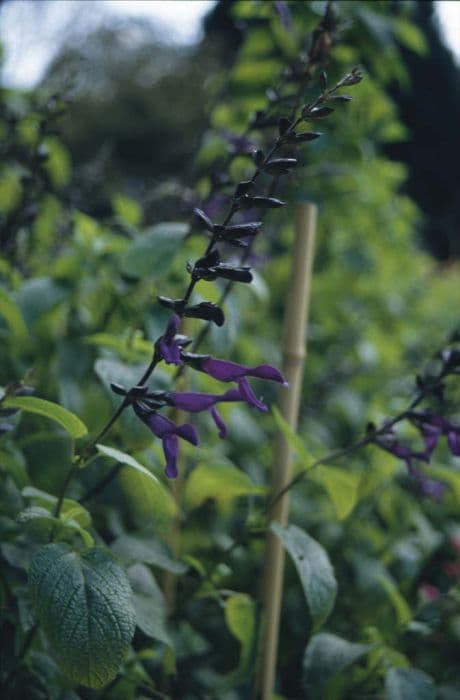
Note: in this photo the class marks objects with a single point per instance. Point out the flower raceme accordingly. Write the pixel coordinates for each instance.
(147, 404)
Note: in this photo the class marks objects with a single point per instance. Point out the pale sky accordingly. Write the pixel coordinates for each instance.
(28, 50)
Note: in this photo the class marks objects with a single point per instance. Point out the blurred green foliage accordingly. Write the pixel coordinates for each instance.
(78, 311)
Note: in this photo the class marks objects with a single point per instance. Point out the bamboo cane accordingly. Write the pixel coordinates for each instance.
(294, 352)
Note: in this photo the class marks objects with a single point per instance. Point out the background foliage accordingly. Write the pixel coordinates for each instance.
(94, 207)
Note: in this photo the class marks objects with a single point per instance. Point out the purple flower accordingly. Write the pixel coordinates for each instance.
(195, 402)
(432, 427)
(168, 346)
(169, 432)
(428, 487)
(226, 371)
(285, 15)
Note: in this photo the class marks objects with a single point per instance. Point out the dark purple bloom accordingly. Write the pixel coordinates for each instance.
(226, 371)
(432, 427)
(169, 432)
(195, 402)
(284, 13)
(238, 143)
(168, 347)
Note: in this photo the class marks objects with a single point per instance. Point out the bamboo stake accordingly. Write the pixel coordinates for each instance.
(294, 353)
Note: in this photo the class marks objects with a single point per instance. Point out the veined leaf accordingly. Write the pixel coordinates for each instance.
(84, 604)
(314, 568)
(69, 421)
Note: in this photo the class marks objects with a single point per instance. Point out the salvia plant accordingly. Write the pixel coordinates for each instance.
(80, 603)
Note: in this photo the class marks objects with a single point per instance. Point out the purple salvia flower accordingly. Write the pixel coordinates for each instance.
(453, 440)
(285, 15)
(432, 427)
(167, 347)
(195, 402)
(169, 432)
(227, 371)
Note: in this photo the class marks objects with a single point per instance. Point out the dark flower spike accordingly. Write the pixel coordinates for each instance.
(301, 137)
(248, 202)
(169, 432)
(229, 272)
(207, 311)
(173, 304)
(227, 233)
(118, 389)
(316, 112)
(280, 166)
(244, 187)
(203, 219)
(166, 347)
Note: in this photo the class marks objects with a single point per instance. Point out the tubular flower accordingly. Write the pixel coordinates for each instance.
(169, 432)
(195, 402)
(168, 346)
(226, 371)
(432, 427)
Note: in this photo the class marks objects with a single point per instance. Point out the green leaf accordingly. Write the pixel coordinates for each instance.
(149, 603)
(83, 602)
(240, 616)
(37, 296)
(149, 502)
(341, 486)
(70, 509)
(148, 550)
(69, 421)
(127, 209)
(123, 458)
(402, 610)
(314, 568)
(12, 315)
(408, 684)
(326, 655)
(222, 482)
(293, 440)
(152, 254)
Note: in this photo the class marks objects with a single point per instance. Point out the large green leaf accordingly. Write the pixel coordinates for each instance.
(149, 502)
(408, 684)
(69, 421)
(129, 461)
(342, 487)
(149, 603)
(314, 568)
(148, 550)
(151, 255)
(222, 482)
(84, 604)
(326, 655)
